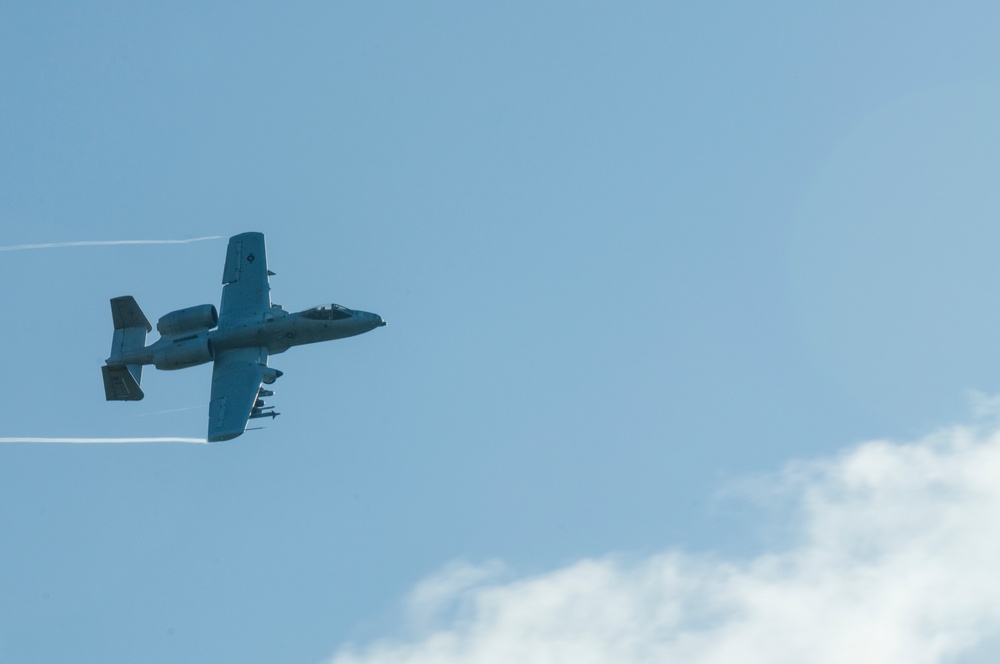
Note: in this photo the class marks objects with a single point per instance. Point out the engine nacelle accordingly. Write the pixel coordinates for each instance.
(202, 317)
(185, 352)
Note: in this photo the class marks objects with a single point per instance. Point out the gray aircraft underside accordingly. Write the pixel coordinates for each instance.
(238, 338)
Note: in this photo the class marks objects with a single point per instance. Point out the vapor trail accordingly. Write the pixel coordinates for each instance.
(102, 440)
(103, 243)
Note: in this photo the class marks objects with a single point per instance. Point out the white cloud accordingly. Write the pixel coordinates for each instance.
(895, 558)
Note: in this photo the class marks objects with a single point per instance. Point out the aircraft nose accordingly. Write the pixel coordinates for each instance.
(375, 319)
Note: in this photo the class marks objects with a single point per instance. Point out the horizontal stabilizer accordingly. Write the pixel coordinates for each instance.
(120, 384)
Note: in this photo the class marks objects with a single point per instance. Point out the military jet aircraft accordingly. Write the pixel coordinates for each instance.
(238, 339)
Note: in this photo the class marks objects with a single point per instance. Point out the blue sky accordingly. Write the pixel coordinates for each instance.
(636, 260)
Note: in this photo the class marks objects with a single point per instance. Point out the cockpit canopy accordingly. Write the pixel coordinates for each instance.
(328, 312)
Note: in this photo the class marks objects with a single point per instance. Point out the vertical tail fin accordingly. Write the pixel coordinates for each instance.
(120, 384)
(121, 380)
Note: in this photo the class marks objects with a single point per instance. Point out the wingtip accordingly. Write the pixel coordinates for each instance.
(222, 437)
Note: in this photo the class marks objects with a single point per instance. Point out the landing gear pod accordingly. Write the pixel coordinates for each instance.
(271, 374)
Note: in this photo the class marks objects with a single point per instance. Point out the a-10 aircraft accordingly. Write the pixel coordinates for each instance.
(238, 339)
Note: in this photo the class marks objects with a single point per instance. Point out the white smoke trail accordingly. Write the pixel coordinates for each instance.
(103, 243)
(103, 440)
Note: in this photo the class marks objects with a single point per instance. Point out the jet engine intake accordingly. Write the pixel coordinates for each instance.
(201, 317)
(185, 352)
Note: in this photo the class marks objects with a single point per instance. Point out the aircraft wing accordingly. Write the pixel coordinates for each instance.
(246, 294)
(236, 379)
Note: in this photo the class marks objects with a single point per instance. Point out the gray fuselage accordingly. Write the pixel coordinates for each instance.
(277, 332)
